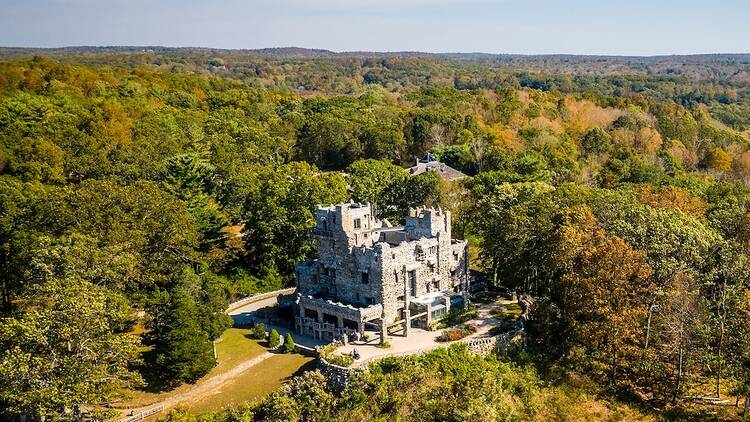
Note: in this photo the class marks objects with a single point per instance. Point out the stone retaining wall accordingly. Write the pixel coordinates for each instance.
(258, 297)
(500, 343)
(339, 376)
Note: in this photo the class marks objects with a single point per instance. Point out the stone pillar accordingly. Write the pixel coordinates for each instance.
(361, 328)
(407, 321)
(383, 331)
(429, 315)
(299, 321)
(319, 334)
(466, 276)
(340, 322)
(447, 304)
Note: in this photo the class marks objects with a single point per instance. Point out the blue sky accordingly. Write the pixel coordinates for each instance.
(634, 27)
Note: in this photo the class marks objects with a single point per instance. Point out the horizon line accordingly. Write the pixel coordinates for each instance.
(374, 52)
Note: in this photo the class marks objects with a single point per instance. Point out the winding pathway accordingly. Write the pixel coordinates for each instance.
(204, 386)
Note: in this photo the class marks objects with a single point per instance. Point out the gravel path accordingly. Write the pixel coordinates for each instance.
(203, 387)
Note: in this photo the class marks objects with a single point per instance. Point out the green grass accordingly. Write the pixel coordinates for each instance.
(509, 312)
(233, 347)
(251, 385)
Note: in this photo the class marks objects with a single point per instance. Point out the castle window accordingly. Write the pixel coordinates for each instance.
(357, 223)
(433, 249)
(365, 278)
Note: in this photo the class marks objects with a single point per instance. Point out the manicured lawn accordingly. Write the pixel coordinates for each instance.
(253, 384)
(233, 347)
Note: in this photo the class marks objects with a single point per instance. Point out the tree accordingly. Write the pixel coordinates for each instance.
(373, 181)
(602, 296)
(189, 177)
(596, 141)
(39, 159)
(66, 349)
(259, 331)
(679, 317)
(289, 345)
(182, 348)
(274, 339)
(304, 398)
(717, 159)
(278, 212)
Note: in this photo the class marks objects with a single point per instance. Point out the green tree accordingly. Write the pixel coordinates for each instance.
(289, 345)
(373, 181)
(274, 339)
(278, 212)
(66, 349)
(596, 141)
(182, 348)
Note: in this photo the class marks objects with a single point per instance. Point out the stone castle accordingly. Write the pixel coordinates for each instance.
(372, 276)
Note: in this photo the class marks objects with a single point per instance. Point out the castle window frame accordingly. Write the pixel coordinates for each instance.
(365, 277)
(357, 223)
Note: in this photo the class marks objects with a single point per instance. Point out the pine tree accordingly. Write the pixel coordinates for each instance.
(274, 339)
(183, 349)
(289, 345)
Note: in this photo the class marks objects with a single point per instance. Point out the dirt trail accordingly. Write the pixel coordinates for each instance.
(202, 388)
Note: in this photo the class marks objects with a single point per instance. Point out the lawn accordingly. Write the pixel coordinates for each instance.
(253, 384)
(233, 347)
(509, 312)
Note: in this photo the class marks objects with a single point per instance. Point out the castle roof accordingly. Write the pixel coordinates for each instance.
(430, 163)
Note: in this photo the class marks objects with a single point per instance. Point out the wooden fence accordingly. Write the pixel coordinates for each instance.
(143, 415)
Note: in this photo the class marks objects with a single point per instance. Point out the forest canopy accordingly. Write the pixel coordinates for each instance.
(159, 187)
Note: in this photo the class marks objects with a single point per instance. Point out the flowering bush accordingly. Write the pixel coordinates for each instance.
(457, 333)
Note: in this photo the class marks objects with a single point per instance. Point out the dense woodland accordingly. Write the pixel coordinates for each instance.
(141, 192)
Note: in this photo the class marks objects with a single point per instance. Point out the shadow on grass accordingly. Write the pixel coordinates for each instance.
(309, 366)
(153, 375)
(261, 341)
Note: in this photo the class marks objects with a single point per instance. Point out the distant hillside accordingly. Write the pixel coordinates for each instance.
(718, 82)
(301, 52)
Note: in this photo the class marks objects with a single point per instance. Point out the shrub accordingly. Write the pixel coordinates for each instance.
(328, 354)
(384, 345)
(274, 339)
(457, 333)
(289, 345)
(457, 316)
(259, 331)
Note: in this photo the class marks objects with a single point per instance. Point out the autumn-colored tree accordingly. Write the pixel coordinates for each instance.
(605, 286)
(717, 159)
(671, 197)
